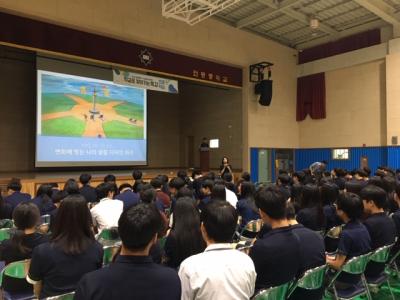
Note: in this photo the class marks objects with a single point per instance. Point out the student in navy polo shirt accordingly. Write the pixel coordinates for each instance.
(311, 213)
(246, 206)
(15, 196)
(57, 266)
(127, 196)
(43, 199)
(381, 227)
(312, 254)
(133, 275)
(275, 261)
(354, 239)
(86, 190)
(206, 190)
(396, 214)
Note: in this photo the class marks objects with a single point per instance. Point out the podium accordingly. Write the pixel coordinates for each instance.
(204, 159)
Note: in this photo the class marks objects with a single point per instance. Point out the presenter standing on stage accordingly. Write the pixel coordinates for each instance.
(225, 167)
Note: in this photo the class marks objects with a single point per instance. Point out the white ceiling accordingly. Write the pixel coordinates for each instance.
(287, 21)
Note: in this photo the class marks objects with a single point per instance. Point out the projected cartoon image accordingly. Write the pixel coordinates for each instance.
(77, 107)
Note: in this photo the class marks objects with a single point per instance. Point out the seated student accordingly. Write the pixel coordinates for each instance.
(354, 239)
(246, 176)
(174, 186)
(111, 179)
(246, 205)
(229, 195)
(396, 214)
(185, 238)
(127, 196)
(133, 275)
(57, 266)
(311, 213)
(381, 228)
(57, 198)
(107, 212)
(5, 209)
(157, 184)
(71, 187)
(312, 250)
(137, 179)
(228, 178)
(43, 199)
(271, 252)
(283, 184)
(329, 194)
(14, 195)
(26, 217)
(220, 272)
(86, 190)
(183, 175)
(206, 190)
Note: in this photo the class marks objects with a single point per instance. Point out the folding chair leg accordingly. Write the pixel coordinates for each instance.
(364, 281)
(335, 295)
(390, 289)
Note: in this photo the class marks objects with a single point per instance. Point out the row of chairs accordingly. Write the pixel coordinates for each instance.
(315, 278)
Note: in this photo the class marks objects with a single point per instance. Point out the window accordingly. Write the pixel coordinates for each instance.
(340, 154)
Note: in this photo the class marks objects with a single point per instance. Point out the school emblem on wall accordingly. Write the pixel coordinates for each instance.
(145, 57)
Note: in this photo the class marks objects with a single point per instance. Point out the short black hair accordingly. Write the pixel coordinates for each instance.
(290, 211)
(14, 185)
(388, 183)
(138, 225)
(124, 186)
(137, 174)
(103, 189)
(351, 204)
(375, 194)
(71, 186)
(272, 202)
(182, 174)
(148, 194)
(284, 178)
(246, 176)
(208, 183)
(156, 183)
(184, 192)
(59, 196)
(362, 173)
(228, 177)
(219, 219)
(85, 178)
(110, 178)
(176, 183)
(354, 186)
(218, 192)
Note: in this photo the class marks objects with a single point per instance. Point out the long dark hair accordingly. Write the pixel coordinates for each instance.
(72, 231)
(311, 198)
(26, 216)
(186, 228)
(44, 191)
(247, 192)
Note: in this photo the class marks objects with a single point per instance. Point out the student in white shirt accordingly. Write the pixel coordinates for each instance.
(107, 212)
(220, 272)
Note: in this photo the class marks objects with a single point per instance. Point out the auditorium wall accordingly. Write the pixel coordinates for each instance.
(355, 109)
(141, 21)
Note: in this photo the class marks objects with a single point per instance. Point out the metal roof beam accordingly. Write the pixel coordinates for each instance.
(381, 10)
(271, 9)
(307, 43)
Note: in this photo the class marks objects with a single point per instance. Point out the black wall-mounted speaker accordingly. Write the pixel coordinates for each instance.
(264, 89)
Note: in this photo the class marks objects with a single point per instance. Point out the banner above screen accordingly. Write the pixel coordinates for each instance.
(145, 81)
